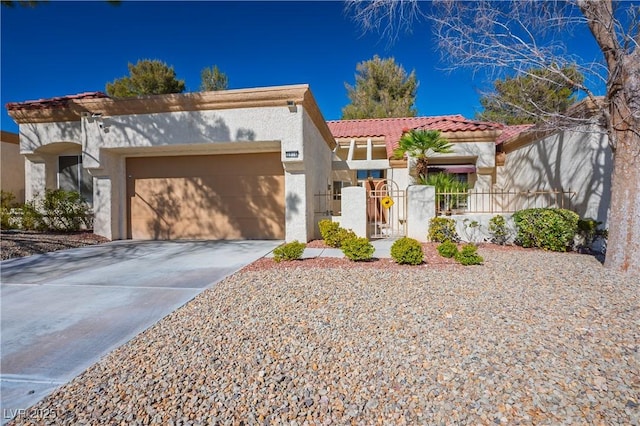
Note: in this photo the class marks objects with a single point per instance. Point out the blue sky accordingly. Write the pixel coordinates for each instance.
(62, 48)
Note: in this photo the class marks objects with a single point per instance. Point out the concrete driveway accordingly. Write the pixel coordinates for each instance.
(62, 311)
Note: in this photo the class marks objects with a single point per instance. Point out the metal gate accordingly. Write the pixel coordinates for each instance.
(386, 209)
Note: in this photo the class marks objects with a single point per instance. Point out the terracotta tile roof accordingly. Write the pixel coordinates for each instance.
(510, 131)
(59, 101)
(393, 128)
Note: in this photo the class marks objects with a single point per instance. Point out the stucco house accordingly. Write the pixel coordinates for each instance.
(235, 164)
(12, 167)
(253, 163)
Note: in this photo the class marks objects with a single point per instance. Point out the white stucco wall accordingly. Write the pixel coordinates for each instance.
(107, 141)
(36, 135)
(578, 161)
(317, 168)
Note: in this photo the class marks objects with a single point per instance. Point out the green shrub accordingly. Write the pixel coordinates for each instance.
(469, 256)
(443, 229)
(448, 249)
(30, 218)
(328, 228)
(357, 249)
(6, 204)
(332, 234)
(498, 230)
(289, 251)
(549, 229)
(407, 251)
(65, 210)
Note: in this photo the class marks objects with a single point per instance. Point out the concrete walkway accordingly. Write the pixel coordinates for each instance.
(63, 311)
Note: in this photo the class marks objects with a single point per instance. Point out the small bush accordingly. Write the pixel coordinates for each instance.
(469, 256)
(448, 249)
(443, 229)
(549, 229)
(30, 218)
(65, 210)
(289, 251)
(498, 230)
(357, 249)
(407, 251)
(333, 235)
(328, 228)
(6, 204)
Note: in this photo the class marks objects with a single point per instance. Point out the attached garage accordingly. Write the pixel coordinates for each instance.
(227, 196)
(227, 164)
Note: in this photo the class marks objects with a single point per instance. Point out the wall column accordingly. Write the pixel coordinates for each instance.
(354, 210)
(421, 207)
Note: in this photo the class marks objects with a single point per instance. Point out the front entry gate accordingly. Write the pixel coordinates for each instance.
(386, 209)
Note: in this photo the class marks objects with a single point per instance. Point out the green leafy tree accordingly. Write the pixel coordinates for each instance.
(382, 89)
(420, 144)
(147, 77)
(532, 97)
(213, 79)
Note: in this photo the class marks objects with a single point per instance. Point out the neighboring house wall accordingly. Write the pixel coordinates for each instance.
(579, 161)
(12, 166)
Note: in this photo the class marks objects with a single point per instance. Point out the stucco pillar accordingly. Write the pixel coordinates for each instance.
(295, 184)
(35, 177)
(421, 207)
(354, 210)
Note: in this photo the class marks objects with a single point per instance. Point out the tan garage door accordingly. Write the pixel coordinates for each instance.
(239, 196)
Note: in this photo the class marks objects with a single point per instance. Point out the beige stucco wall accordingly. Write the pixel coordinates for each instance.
(107, 141)
(579, 161)
(12, 166)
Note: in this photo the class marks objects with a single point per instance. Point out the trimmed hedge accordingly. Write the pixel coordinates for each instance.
(546, 228)
(358, 249)
(469, 256)
(332, 234)
(448, 249)
(289, 251)
(407, 251)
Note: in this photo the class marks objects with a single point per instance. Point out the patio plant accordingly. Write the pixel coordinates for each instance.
(469, 256)
(420, 144)
(289, 251)
(447, 183)
(546, 228)
(448, 249)
(407, 251)
(443, 229)
(358, 249)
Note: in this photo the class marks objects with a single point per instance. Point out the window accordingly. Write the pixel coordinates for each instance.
(375, 174)
(73, 177)
(337, 189)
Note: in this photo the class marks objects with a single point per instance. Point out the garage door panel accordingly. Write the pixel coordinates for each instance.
(247, 205)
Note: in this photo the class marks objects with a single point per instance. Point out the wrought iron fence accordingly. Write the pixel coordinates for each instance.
(500, 201)
(326, 204)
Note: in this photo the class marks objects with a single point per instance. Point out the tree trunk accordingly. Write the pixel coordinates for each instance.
(623, 244)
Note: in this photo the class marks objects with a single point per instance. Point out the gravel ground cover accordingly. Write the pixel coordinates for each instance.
(530, 337)
(26, 243)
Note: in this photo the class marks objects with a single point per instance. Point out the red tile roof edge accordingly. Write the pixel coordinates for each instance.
(53, 102)
(512, 131)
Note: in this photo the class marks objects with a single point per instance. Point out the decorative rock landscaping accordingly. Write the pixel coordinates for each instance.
(531, 337)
